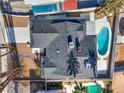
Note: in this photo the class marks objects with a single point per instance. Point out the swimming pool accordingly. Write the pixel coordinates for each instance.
(94, 89)
(103, 41)
(45, 8)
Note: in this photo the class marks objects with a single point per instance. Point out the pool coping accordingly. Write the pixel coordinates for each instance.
(103, 23)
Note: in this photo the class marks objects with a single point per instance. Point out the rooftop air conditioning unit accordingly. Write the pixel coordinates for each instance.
(36, 50)
(71, 45)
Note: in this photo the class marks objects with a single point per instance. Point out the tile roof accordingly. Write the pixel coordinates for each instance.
(70, 4)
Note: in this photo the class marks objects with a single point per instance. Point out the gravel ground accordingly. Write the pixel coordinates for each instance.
(118, 83)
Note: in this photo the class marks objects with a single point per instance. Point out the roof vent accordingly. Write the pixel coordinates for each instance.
(58, 50)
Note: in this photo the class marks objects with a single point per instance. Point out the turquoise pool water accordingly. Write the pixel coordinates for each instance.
(94, 89)
(44, 8)
(103, 40)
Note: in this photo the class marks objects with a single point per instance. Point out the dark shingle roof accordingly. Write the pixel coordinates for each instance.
(42, 40)
(43, 26)
(66, 25)
(54, 36)
(59, 59)
(47, 63)
(87, 43)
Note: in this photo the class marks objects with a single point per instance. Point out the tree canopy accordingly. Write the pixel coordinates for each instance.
(110, 6)
(73, 65)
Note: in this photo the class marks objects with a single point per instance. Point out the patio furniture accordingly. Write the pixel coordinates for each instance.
(88, 65)
(101, 66)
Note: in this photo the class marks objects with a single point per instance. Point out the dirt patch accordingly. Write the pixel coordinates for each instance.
(118, 83)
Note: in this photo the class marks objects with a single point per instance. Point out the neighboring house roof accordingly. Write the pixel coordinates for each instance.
(56, 38)
(70, 4)
(87, 3)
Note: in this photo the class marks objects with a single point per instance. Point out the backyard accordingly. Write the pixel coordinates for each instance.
(30, 68)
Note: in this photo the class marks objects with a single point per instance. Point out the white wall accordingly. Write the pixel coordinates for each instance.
(21, 34)
(2, 29)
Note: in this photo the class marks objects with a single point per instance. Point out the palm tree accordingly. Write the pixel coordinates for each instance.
(107, 91)
(12, 73)
(73, 65)
(108, 88)
(37, 60)
(92, 59)
(10, 76)
(92, 55)
(11, 49)
(110, 6)
(79, 88)
(76, 91)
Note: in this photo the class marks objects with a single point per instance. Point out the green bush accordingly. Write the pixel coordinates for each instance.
(38, 71)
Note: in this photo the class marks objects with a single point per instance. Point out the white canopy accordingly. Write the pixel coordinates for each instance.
(37, 2)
